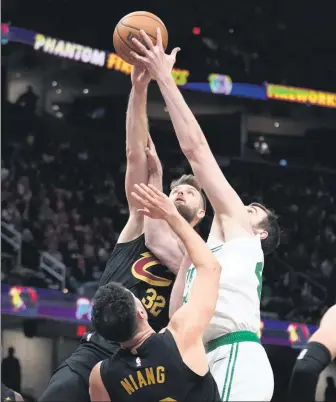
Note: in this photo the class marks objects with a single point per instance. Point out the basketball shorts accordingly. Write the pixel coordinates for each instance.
(241, 368)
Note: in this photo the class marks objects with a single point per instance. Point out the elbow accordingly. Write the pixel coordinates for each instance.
(194, 149)
(135, 155)
(150, 241)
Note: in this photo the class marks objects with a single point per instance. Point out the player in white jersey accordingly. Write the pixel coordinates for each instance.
(239, 237)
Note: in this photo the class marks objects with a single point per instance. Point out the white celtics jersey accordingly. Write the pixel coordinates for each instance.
(238, 305)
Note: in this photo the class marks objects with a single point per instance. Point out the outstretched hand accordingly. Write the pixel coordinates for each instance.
(154, 58)
(156, 204)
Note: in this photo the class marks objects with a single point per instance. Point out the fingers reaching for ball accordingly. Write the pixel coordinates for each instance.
(130, 26)
(156, 204)
(153, 57)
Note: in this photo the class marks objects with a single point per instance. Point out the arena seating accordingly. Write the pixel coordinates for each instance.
(66, 197)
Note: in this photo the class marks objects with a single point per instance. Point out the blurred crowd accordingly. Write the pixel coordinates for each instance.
(66, 197)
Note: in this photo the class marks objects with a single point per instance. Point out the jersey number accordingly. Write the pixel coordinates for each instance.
(168, 400)
(258, 272)
(153, 302)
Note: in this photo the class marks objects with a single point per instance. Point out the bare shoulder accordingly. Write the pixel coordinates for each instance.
(133, 228)
(192, 352)
(97, 388)
(95, 378)
(232, 228)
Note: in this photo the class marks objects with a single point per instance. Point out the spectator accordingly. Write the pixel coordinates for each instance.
(11, 371)
(28, 100)
(67, 198)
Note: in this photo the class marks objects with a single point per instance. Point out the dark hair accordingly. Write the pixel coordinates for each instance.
(114, 313)
(270, 225)
(191, 181)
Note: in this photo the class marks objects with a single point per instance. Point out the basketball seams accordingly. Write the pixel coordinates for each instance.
(127, 45)
(151, 16)
(145, 16)
(124, 31)
(136, 29)
(127, 56)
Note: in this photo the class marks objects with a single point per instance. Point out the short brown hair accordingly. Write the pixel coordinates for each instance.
(191, 181)
(270, 224)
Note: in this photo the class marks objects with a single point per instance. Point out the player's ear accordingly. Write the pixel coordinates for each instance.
(262, 233)
(142, 313)
(200, 214)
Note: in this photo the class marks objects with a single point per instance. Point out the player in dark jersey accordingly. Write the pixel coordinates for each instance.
(8, 394)
(144, 249)
(313, 359)
(171, 365)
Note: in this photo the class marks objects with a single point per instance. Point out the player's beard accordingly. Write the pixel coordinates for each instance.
(185, 211)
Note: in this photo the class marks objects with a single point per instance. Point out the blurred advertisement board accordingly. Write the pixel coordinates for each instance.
(28, 302)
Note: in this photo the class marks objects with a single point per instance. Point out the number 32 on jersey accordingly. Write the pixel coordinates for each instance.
(153, 302)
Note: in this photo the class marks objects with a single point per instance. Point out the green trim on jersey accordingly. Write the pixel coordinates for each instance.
(233, 337)
(230, 372)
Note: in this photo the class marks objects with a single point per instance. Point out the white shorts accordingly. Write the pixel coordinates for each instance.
(240, 367)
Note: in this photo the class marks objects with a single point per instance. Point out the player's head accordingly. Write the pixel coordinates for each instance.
(264, 222)
(188, 198)
(117, 315)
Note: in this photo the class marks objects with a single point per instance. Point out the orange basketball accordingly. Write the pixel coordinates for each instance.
(129, 27)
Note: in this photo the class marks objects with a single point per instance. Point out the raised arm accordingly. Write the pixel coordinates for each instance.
(193, 143)
(190, 321)
(176, 296)
(136, 143)
(160, 239)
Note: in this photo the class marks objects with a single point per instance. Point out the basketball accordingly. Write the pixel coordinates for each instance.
(129, 27)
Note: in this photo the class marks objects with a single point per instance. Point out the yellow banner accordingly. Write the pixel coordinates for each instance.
(96, 57)
(301, 95)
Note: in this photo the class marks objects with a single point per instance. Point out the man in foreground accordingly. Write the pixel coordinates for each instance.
(313, 359)
(147, 255)
(171, 365)
(239, 238)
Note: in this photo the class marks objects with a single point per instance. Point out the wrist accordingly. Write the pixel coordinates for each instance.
(156, 173)
(140, 90)
(174, 220)
(165, 79)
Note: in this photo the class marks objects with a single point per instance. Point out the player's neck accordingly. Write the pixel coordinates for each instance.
(138, 340)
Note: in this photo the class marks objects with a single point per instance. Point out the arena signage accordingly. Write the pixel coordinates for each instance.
(301, 95)
(69, 50)
(29, 302)
(89, 55)
(217, 83)
(117, 63)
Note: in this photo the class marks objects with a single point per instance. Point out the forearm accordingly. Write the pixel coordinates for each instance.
(136, 122)
(195, 147)
(187, 129)
(136, 142)
(160, 238)
(178, 288)
(196, 248)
